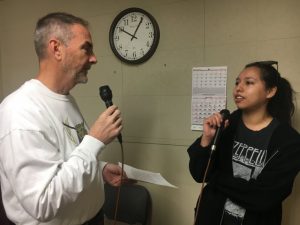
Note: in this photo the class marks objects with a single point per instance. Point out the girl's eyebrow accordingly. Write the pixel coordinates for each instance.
(250, 78)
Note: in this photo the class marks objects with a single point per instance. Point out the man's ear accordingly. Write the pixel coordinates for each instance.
(55, 48)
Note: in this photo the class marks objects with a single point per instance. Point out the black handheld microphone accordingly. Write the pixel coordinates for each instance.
(225, 115)
(106, 96)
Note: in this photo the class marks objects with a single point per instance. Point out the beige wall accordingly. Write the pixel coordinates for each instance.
(155, 97)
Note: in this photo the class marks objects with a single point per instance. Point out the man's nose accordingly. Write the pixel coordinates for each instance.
(93, 59)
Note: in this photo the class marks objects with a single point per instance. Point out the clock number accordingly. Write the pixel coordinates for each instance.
(126, 52)
(148, 44)
(134, 55)
(147, 25)
(151, 35)
(117, 38)
(125, 22)
(133, 17)
(142, 52)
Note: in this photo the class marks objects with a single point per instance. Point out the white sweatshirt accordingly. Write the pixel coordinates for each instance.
(47, 175)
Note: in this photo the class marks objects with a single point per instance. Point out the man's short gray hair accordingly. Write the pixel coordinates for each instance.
(57, 24)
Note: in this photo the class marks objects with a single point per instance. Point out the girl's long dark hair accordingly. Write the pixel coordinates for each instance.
(281, 105)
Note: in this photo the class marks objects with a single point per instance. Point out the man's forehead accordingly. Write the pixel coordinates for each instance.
(80, 30)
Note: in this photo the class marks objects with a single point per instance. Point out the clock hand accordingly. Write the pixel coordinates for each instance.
(129, 34)
(137, 27)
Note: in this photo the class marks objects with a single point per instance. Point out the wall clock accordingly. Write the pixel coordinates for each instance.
(134, 35)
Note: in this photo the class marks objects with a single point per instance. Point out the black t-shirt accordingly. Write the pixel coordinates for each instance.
(249, 156)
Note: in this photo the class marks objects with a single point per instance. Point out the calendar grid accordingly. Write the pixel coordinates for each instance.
(208, 93)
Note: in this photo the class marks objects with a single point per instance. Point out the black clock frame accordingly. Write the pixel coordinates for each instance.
(155, 41)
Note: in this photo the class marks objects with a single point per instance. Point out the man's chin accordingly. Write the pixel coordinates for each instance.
(82, 80)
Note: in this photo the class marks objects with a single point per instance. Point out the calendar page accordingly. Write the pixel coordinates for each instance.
(208, 93)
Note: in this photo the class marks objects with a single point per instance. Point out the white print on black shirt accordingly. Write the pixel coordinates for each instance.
(247, 163)
(251, 160)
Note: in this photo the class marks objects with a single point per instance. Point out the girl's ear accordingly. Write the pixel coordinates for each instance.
(271, 92)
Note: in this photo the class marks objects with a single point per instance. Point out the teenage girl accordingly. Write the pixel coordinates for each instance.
(257, 157)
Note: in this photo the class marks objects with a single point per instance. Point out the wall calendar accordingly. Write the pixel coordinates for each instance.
(208, 93)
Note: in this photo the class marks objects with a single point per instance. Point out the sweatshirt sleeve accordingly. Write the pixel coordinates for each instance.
(42, 181)
(199, 157)
(270, 188)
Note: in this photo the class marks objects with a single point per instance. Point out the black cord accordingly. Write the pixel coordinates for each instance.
(202, 187)
(119, 188)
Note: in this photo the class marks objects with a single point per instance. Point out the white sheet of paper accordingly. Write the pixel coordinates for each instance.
(146, 176)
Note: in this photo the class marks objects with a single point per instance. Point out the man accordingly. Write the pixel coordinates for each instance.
(49, 165)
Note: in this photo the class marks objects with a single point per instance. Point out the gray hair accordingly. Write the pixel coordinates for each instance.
(57, 24)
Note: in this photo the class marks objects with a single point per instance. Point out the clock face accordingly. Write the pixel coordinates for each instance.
(134, 35)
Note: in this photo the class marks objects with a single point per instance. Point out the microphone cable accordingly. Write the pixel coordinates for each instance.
(119, 187)
(225, 115)
(106, 95)
(202, 187)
